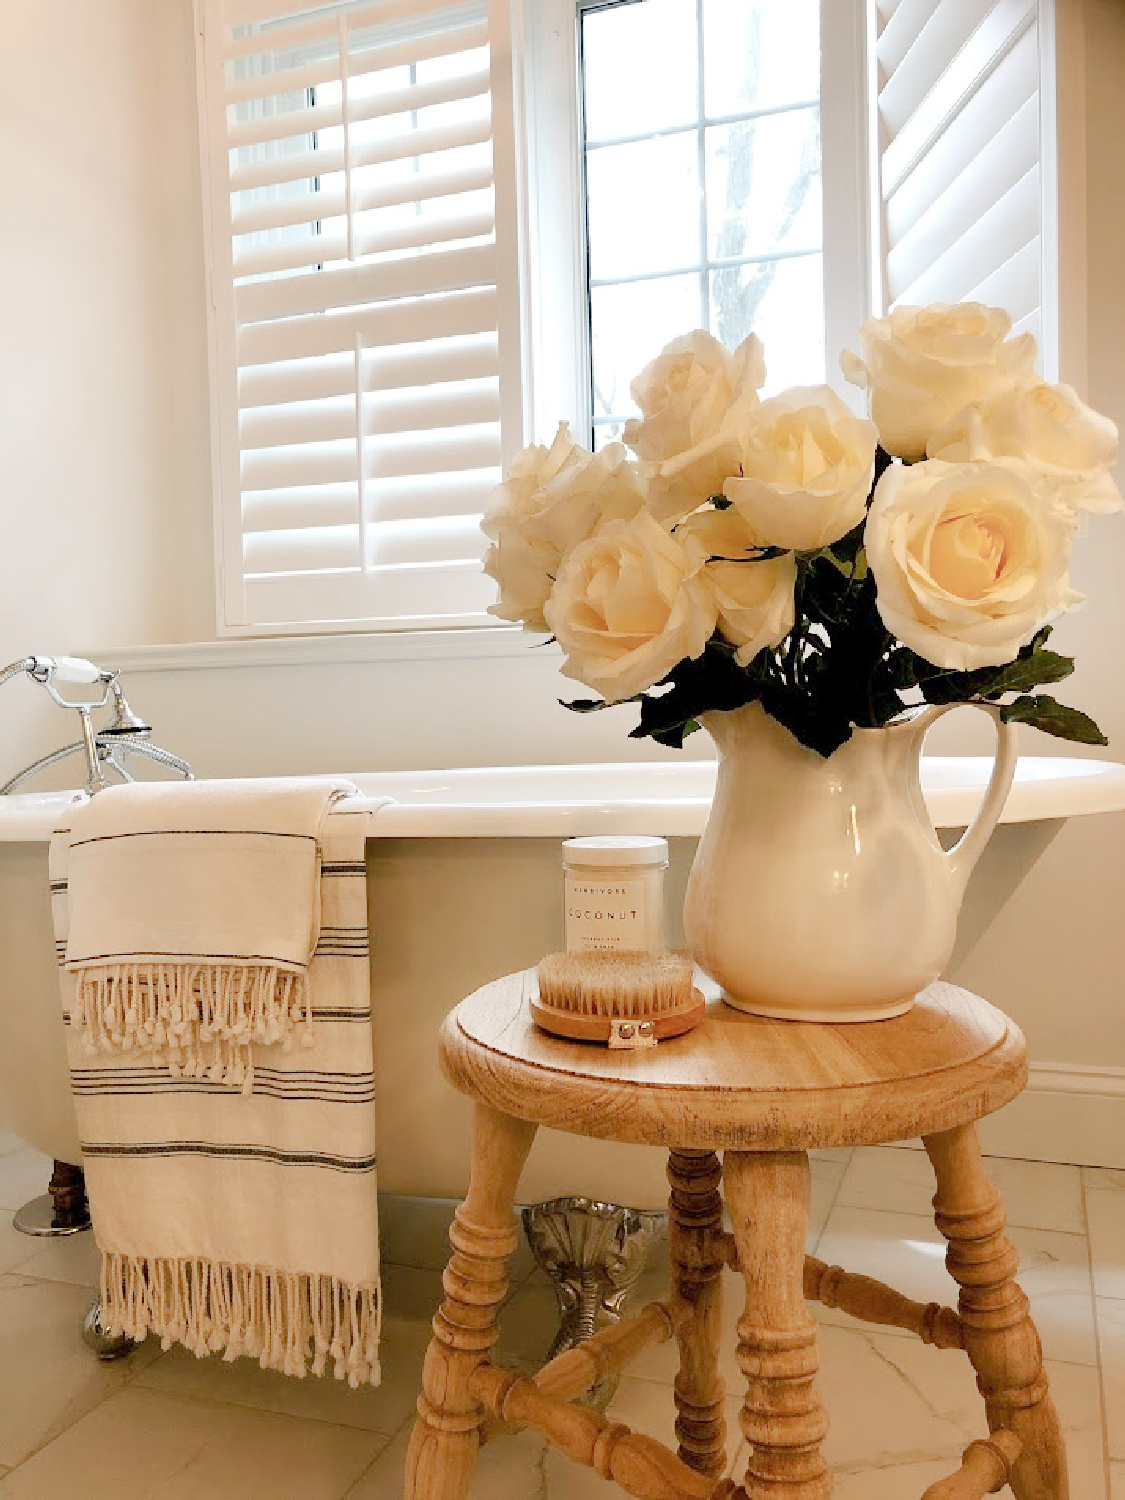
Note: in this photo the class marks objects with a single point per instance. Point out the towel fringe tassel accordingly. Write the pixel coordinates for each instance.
(199, 1018)
(287, 1320)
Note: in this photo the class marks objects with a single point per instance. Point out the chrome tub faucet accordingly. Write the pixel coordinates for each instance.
(103, 748)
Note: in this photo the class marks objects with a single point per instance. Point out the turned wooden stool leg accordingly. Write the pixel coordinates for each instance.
(1001, 1340)
(768, 1199)
(695, 1223)
(444, 1442)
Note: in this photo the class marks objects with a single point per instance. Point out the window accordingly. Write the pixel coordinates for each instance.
(406, 196)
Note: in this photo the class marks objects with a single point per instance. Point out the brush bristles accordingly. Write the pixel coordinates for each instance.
(616, 984)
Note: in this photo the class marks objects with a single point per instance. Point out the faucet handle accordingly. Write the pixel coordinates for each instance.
(77, 669)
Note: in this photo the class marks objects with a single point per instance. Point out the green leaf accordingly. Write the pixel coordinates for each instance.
(585, 705)
(1046, 713)
(1029, 671)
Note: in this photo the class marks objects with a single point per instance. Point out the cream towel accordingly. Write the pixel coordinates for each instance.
(194, 912)
(246, 1224)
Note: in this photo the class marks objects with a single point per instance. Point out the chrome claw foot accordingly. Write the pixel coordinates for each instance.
(106, 1346)
(594, 1254)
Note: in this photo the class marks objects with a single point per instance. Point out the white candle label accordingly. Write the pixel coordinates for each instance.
(605, 915)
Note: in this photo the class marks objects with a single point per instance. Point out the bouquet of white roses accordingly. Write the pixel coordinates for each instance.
(787, 552)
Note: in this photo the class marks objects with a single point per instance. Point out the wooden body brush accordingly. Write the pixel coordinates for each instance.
(624, 999)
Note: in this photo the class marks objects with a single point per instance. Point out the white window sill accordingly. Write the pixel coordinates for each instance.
(487, 643)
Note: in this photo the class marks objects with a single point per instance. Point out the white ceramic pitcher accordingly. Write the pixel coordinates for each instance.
(820, 891)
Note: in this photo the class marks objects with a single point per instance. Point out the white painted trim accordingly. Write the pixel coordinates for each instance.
(554, 259)
(1077, 1078)
(1062, 93)
(845, 183)
(492, 643)
(218, 267)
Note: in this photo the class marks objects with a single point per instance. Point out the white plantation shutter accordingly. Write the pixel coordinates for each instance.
(364, 304)
(960, 171)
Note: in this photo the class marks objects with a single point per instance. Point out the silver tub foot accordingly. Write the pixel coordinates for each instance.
(594, 1254)
(63, 1209)
(107, 1346)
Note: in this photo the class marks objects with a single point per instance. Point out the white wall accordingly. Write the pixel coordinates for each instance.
(103, 436)
(105, 504)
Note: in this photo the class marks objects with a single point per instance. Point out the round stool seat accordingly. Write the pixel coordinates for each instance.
(741, 1081)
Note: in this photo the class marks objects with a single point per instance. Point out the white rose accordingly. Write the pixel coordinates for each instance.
(969, 560)
(807, 465)
(1047, 425)
(680, 485)
(552, 499)
(687, 392)
(629, 604)
(754, 596)
(923, 364)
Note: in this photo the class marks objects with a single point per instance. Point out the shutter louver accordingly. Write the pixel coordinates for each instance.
(361, 308)
(960, 170)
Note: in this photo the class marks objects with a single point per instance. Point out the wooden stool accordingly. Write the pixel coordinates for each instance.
(763, 1092)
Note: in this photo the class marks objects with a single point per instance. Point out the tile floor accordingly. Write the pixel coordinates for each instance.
(178, 1428)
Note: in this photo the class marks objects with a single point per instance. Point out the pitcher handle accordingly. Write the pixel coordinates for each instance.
(961, 859)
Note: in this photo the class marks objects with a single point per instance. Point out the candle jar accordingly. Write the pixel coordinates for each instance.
(614, 889)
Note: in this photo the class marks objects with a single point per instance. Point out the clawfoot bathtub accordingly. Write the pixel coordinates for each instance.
(464, 884)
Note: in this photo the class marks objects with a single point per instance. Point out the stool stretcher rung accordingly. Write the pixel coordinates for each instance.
(875, 1302)
(607, 1352)
(985, 1468)
(640, 1465)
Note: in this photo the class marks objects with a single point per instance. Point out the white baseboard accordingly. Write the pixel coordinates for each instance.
(1068, 1113)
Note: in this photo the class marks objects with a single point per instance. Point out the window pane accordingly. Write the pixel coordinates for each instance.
(640, 66)
(763, 185)
(643, 206)
(782, 301)
(630, 325)
(758, 54)
(759, 205)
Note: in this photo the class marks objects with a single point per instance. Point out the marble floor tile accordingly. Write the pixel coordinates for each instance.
(1075, 1390)
(14, 1246)
(886, 1409)
(827, 1176)
(48, 1377)
(71, 1257)
(242, 1382)
(1105, 1215)
(1111, 1347)
(24, 1174)
(908, 1253)
(511, 1469)
(1103, 1179)
(891, 1482)
(141, 1444)
(1037, 1195)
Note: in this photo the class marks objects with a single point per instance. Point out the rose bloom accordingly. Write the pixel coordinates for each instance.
(754, 596)
(692, 396)
(685, 394)
(1047, 425)
(552, 499)
(923, 364)
(969, 560)
(628, 604)
(807, 465)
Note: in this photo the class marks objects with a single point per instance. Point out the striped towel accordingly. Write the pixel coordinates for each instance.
(194, 912)
(245, 1223)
